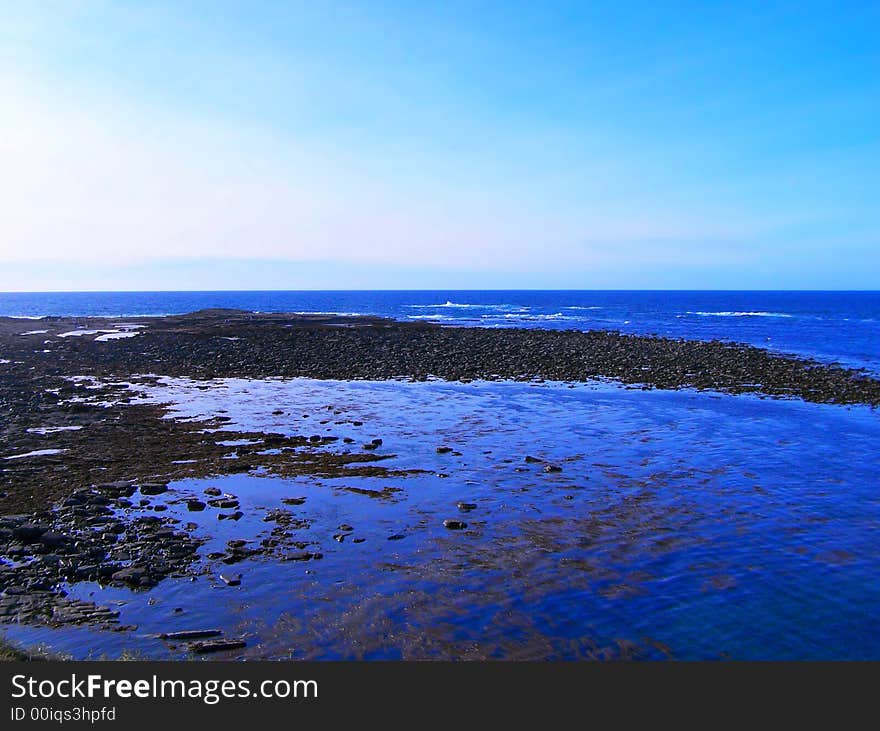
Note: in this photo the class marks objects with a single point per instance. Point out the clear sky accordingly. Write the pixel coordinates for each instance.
(288, 145)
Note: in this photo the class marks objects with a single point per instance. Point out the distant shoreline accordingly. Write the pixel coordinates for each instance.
(225, 343)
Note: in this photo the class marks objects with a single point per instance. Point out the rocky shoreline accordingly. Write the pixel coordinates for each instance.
(85, 509)
(231, 343)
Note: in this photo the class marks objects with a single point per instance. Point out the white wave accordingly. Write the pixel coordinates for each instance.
(338, 314)
(431, 317)
(741, 314)
(527, 317)
(466, 305)
(578, 307)
(35, 332)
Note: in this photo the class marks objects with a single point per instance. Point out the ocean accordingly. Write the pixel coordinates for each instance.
(839, 327)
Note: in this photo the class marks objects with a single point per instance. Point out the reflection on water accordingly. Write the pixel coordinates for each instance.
(682, 525)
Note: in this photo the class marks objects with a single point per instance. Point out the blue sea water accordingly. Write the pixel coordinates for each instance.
(680, 524)
(829, 326)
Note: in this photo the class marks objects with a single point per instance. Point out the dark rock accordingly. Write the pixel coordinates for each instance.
(201, 648)
(131, 575)
(53, 539)
(302, 556)
(444, 450)
(454, 524)
(195, 505)
(28, 532)
(190, 634)
(466, 507)
(153, 488)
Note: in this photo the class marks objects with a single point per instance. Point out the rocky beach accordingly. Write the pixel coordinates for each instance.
(107, 483)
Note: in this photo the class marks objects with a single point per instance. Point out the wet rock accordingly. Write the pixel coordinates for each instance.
(189, 634)
(195, 505)
(28, 532)
(552, 468)
(396, 537)
(302, 556)
(346, 528)
(153, 488)
(293, 500)
(237, 515)
(223, 503)
(339, 537)
(213, 491)
(51, 539)
(454, 524)
(466, 507)
(444, 450)
(131, 575)
(231, 580)
(533, 460)
(201, 648)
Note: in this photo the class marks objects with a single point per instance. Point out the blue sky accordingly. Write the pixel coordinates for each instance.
(220, 145)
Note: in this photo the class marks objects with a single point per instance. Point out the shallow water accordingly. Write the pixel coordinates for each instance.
(685, 525)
